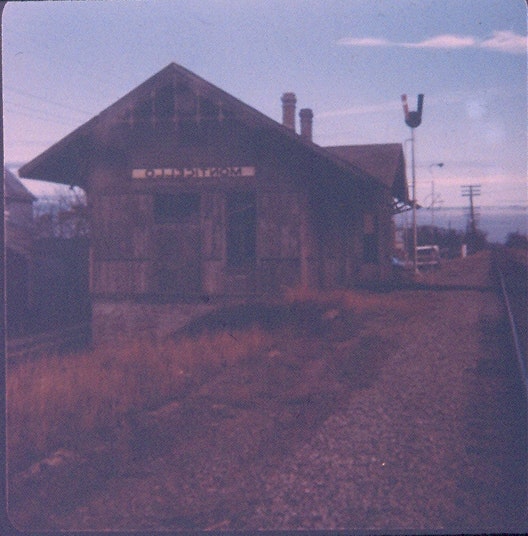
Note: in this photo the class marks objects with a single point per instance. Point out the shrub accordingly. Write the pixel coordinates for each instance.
(517, 240)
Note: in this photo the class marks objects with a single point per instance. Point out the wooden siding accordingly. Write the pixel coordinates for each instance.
(121, 226)
(213, 226)
(277, 274)
(337, 253)
(305, 236)
(177, 244)
(279, 226)
(239, 283)
(213, 277)
(121, 246)
(177, 262)
(120, 277)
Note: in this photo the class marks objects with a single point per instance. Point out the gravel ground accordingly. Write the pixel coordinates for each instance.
(431, 438)
(422, 449)
(436, 443)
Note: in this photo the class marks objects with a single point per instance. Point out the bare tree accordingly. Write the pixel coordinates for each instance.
(62, 215)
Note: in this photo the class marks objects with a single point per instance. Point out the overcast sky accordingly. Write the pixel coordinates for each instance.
(348, 60)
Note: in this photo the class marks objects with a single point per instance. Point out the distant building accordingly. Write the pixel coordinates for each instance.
(46, 276)
(18, 219)
(18, 212)
(194, 195)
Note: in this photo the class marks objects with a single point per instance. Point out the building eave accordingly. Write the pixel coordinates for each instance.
(64, 162)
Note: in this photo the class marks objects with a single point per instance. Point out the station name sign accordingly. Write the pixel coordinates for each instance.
(193, 172)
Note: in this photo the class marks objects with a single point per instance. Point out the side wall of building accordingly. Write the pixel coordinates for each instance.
(233, 215)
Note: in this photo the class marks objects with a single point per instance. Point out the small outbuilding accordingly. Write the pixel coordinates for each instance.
(19, 253)
(195, 195)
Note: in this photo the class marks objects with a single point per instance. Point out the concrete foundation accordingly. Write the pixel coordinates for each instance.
(131, 320)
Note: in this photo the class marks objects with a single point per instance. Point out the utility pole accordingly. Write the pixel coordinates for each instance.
(471, 191)
(433, 201)
(434, 198)
(413, 120)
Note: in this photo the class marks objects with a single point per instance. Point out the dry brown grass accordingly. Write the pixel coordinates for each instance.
(349, 300)
(74, 401)
(79, 400)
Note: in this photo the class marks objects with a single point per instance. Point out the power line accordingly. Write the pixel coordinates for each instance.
(54, 103)
(109, 78)
(38, 110)
(30, 143)
(106, 78)
(50, 118)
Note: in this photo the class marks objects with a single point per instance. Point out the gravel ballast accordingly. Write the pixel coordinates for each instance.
(427, 447)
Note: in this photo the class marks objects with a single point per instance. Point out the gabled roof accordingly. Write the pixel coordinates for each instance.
(385, 162)
(14, 189)
(64, 161)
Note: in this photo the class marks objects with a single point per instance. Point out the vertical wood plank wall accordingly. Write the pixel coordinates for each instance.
(301, 241)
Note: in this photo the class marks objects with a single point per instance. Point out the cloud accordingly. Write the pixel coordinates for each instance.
(364, 42)
(506, 42)
(500, 41)
(395, 104)
(362, 109)
(444, 41)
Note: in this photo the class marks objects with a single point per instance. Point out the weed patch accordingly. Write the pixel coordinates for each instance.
(82, 400)
(74, 401)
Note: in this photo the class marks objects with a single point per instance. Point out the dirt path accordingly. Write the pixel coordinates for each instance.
(402, 413)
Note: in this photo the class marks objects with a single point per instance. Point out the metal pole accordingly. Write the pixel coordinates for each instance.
(415, 232)
(413, 120)
(432, 204)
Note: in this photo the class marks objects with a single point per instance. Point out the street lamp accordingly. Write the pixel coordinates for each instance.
(413, 120)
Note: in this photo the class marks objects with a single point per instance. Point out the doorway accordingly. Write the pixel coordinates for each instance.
(241, 235)
(178, 244)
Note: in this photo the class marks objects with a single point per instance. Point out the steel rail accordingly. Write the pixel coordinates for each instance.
(515, 337)
(517, 348)
(51, 341)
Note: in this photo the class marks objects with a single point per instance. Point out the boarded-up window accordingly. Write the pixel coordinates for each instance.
(241, 229)
(176, 208)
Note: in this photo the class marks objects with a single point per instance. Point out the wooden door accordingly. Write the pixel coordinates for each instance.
(178, 244)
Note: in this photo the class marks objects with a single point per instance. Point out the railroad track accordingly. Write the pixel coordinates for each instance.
(53, 341)
(510, 267)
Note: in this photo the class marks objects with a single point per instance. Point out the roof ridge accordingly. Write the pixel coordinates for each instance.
(28, 169)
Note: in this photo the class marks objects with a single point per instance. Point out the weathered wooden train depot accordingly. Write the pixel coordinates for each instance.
(194, 194)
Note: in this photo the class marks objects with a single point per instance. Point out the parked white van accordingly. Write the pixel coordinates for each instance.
(428, 256)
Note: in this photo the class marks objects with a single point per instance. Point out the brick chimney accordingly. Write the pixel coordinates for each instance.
(306, 116)
(288, 110)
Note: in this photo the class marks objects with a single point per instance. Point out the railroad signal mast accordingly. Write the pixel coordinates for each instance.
(471, 191)
(413, 120)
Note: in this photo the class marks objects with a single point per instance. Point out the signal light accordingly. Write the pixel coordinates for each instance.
(412, 119)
